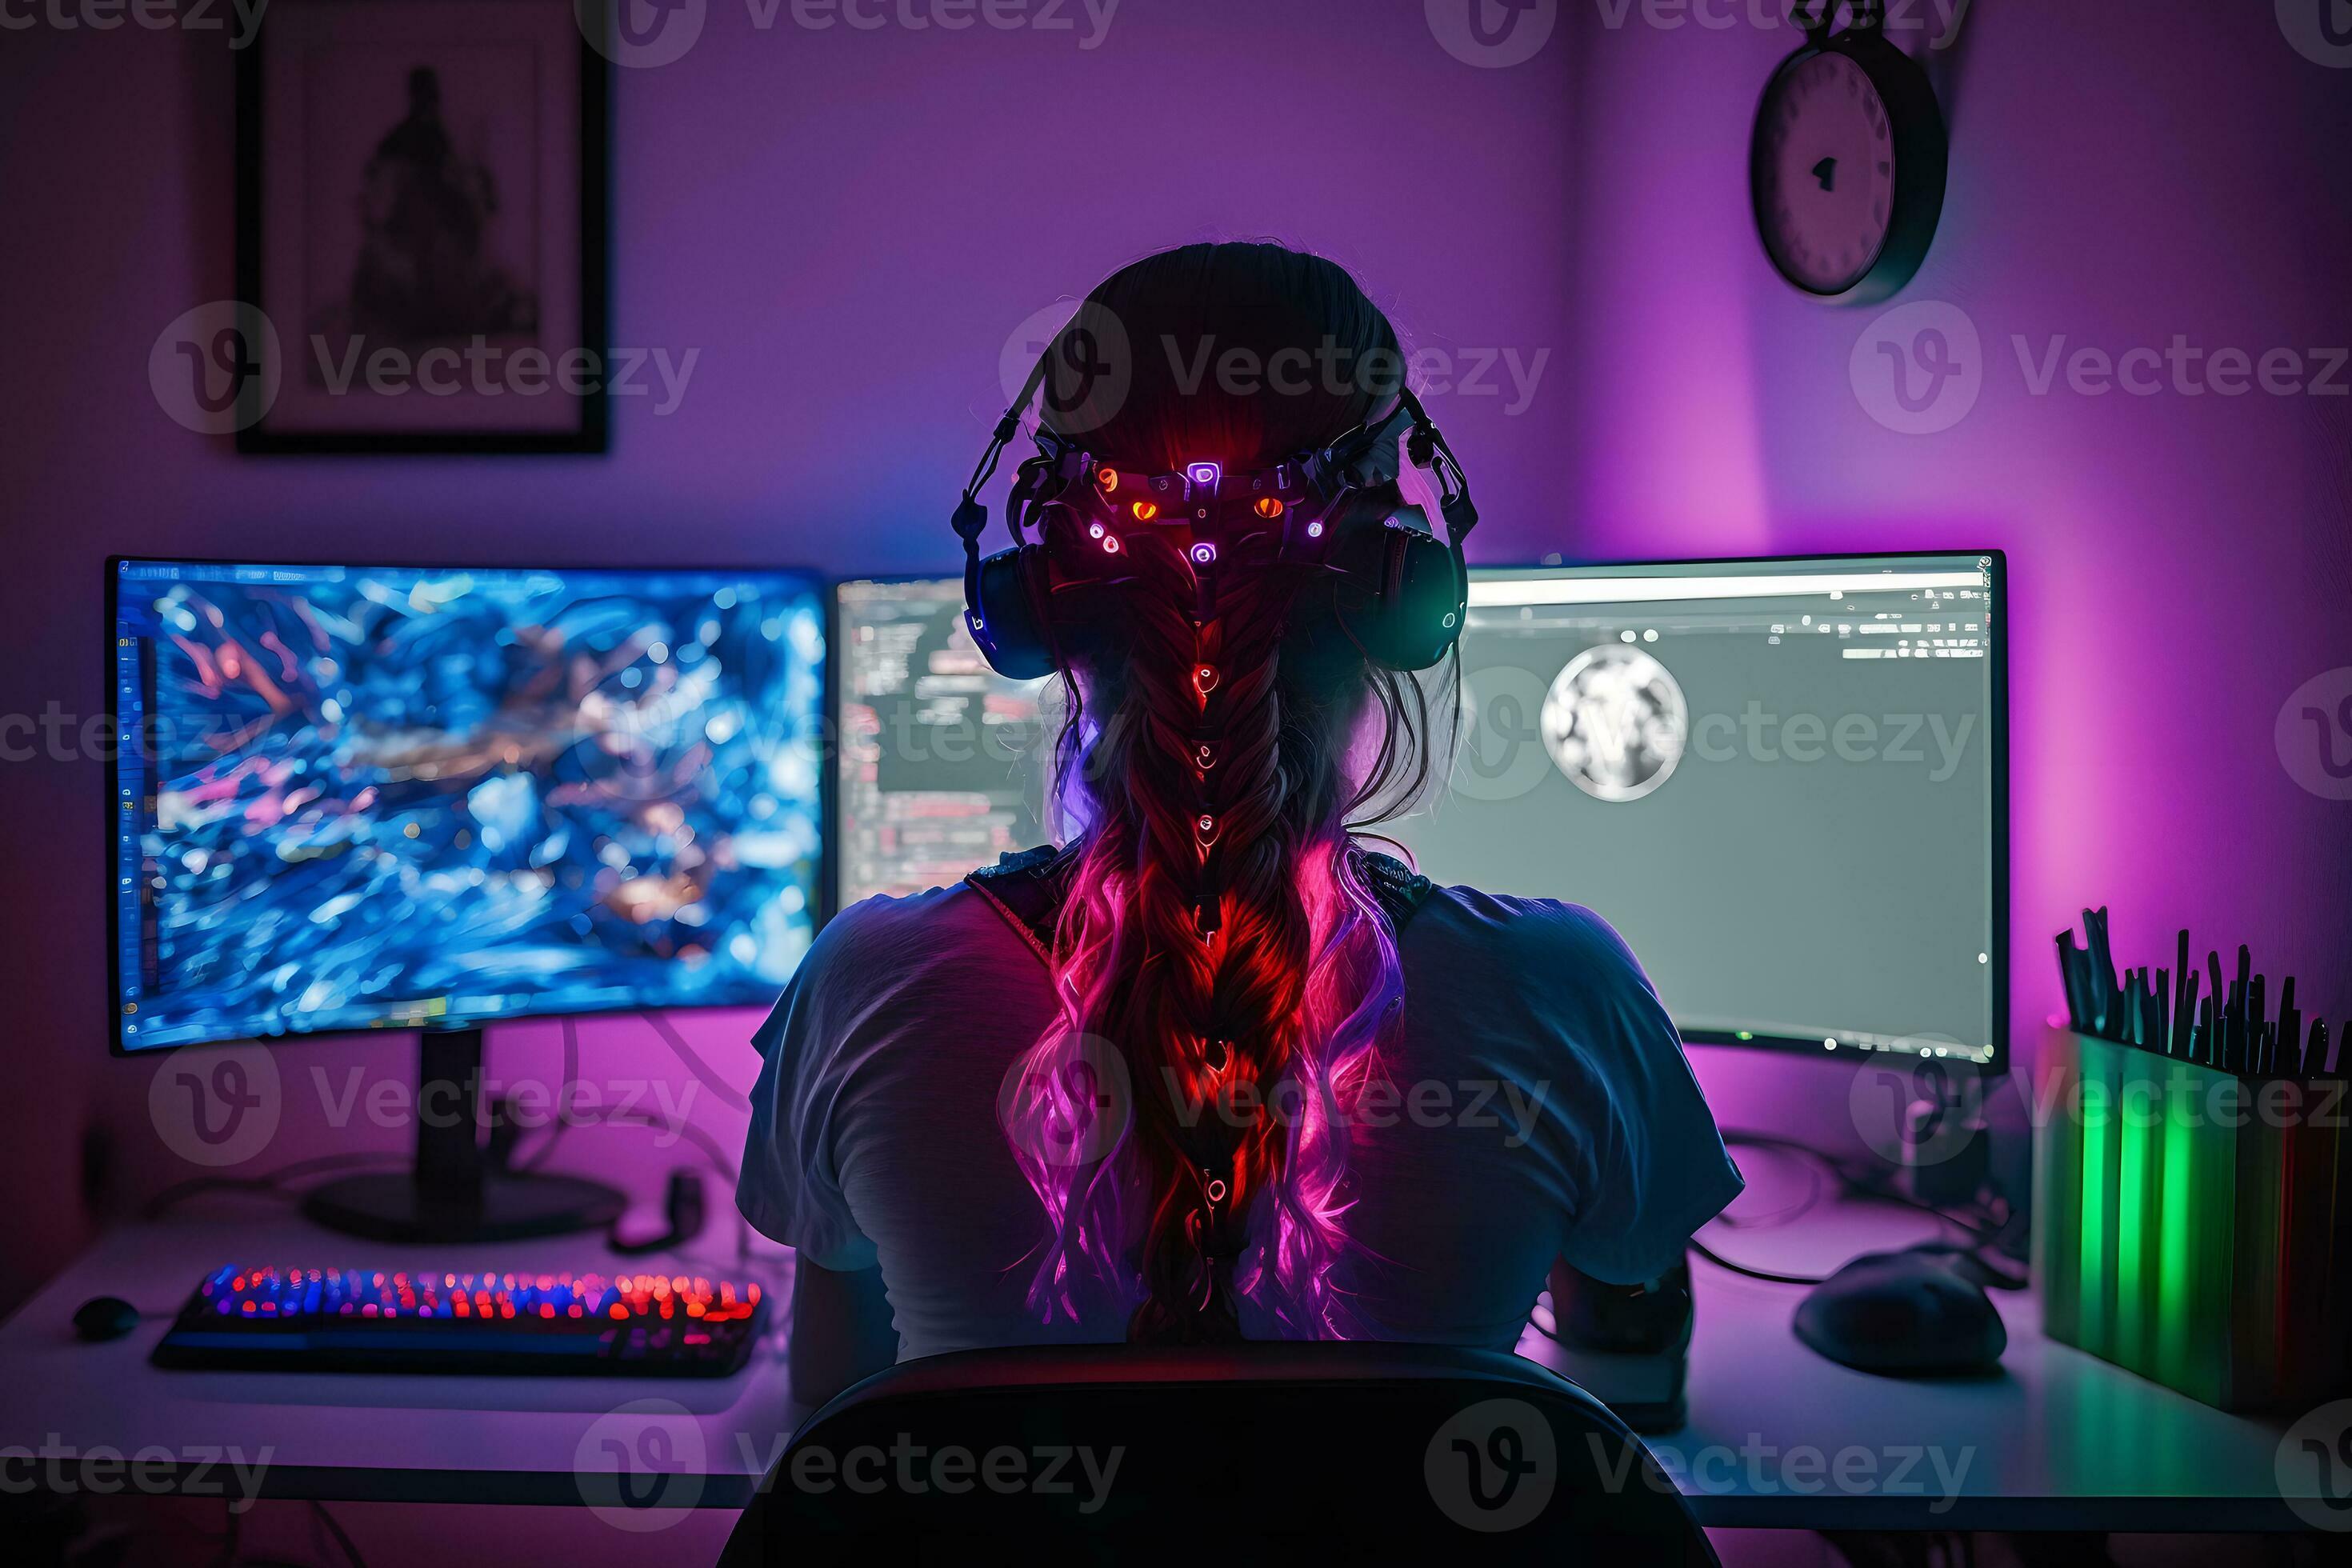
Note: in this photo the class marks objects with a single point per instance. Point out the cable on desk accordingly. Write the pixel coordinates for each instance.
(710, 1150)
(343, 1539)
(563, 1096)
(1869, 1182)
(1777, 1217)
(1987, 1226)
(1766, 1275)
(694, 1062)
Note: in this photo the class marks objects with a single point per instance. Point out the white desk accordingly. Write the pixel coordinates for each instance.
(2056, 1439)
(377, 1439)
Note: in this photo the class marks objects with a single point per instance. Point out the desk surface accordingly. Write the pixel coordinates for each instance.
(1777, 1436)
(2054, 1439)
(401, 1439)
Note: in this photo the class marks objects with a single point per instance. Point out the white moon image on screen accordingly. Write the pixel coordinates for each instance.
(1615, 722)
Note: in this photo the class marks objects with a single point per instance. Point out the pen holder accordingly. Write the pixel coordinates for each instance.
(2193, 1225)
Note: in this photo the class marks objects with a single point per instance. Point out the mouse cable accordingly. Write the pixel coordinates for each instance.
(674, 1039)
(1814, 1190)
(1766, 1275)
(562, 1093)
(711, 1152)
(1856, 1178)
(342, 1538)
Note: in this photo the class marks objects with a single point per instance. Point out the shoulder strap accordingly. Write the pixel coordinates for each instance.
(1400, 888)
(1026, 889)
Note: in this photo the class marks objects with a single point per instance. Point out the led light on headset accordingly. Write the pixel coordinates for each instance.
(1146, 510)
(1314, 531)
(1204, 554)
(1107, 478)
(1094, 530)
(1271, 507)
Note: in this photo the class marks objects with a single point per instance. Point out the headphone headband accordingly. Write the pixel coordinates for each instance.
(1409, 610)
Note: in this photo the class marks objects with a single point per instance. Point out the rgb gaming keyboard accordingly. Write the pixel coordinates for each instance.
(352, 1320)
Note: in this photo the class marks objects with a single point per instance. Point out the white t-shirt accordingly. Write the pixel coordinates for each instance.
(1542, 1108)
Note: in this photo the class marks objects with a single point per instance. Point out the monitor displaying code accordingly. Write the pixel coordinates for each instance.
(943, 763)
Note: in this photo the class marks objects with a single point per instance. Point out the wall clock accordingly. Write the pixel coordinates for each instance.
(1848, 160)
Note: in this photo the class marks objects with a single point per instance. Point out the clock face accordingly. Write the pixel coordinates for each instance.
(1824, 173)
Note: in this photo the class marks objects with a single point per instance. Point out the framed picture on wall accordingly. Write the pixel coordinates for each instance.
(421, 226)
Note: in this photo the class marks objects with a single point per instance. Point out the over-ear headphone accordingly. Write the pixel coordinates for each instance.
(1395, 593)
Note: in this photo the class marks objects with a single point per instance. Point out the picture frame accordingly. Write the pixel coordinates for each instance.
(422, 210)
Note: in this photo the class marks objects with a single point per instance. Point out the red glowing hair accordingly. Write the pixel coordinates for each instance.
(1243, 1052)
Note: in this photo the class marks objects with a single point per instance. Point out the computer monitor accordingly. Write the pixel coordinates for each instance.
(1785, 782)
(352, 797)
(942, 764)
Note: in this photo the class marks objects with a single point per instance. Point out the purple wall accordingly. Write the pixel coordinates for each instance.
(848, 226)
(2120, 174)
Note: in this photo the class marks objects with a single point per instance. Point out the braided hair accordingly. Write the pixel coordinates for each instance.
(1219, 957)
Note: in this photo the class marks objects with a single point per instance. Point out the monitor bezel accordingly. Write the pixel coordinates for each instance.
(818, 581)
(1997, 658)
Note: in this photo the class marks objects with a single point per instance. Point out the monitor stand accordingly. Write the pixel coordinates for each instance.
(455, 1193)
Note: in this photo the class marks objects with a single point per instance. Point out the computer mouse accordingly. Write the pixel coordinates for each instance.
(1902, 1314)
(104, 1318)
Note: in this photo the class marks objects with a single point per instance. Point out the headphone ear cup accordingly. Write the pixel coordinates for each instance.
(1414, 614)
(1004, 609)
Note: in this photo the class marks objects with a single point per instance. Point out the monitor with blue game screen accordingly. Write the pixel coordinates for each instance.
(348, 797)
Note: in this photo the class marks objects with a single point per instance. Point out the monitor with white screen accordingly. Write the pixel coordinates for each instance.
(1783, 781)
